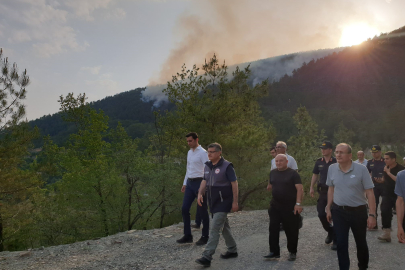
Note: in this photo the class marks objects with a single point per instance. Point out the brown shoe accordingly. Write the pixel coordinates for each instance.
(386, 236)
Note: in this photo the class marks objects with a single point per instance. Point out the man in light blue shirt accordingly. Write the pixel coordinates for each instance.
(400, 191)
(361, 159)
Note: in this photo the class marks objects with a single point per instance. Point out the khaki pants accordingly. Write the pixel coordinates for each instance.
(219, 223)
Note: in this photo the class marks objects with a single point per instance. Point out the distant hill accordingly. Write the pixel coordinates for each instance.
(363, 86)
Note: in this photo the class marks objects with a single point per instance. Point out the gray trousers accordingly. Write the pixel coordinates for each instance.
(219, 223)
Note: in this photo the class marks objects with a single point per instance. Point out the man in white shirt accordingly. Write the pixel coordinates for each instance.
(281, 148)
(361, 159)
(196, 158)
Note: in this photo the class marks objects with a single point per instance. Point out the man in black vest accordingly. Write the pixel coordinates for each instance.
(375, 167)
(321, 169)
(219, 182)
(285, 207)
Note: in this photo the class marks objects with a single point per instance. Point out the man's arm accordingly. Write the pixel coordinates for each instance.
(331, 190)
(235, 191)
(371, 221)
(313, 181)
(300, 192)
(400, 219)
(201, 192)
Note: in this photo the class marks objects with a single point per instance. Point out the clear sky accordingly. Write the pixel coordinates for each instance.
(103, 47)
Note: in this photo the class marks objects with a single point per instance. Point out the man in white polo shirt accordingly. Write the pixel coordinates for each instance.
(281, 148)
(361, 159)
(196, 158)
(348, 183)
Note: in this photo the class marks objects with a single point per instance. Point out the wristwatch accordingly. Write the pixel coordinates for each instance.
(371, 215)
(297, 203)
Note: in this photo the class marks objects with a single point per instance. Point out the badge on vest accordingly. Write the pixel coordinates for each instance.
(217, 171)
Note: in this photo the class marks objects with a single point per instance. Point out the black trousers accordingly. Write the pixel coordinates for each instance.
(290, 223)
(321, 205)
(387, 204)
(343, 221)
(378, 192)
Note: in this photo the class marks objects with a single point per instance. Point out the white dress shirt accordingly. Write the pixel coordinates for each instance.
(195, 163)
(364, 162)
(291, 163)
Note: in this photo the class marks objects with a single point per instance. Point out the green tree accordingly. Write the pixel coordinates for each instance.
(304, 146)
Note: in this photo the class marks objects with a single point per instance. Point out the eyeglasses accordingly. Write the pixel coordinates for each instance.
(212, 152)
(340, 153)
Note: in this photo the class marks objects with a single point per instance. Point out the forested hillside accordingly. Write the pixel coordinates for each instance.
(362, 86)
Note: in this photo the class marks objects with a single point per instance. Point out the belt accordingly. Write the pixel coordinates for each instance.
(195, 179)
(350, 208)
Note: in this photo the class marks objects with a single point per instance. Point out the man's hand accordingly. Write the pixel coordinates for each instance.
(200, 199)
(401, 235)
(183, 188)
(297, 209)
(312, 192)
(269, 187)
(387, 170)
(235, 207)
(371, 222)
(328, 214)
(379, 180)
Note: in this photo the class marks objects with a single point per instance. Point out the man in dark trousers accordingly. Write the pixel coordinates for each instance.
(222, 192)
(375, 167)
(400, 192)
(321, 171)
(389, 197)
(350, 190)
(196, 158)
(285, 207)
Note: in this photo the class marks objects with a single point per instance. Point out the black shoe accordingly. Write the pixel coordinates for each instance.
(204, 262)
(203, 241)
(195, 226)
(292, 256)
(329, 239)
(185, 239)
(334, 246)
(271, 255)
(229, 255)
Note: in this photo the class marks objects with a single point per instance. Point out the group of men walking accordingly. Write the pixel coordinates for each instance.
(349, 193)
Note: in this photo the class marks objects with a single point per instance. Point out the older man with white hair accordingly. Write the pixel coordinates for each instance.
(281, 148)
(285, 207)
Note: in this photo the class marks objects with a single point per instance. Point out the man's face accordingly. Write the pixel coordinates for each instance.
(376, 155)
(342, 154)
(280, 149)
(389, 161)
(360, 155)
(326, 152)
(273, 153)
(213, 154)
(281, 162)
(192, 143)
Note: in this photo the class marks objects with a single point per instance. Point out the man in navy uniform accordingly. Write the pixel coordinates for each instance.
(375, 167)
(321, 171)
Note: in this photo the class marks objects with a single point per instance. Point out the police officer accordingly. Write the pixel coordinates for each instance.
(320, 174)
(375, 167)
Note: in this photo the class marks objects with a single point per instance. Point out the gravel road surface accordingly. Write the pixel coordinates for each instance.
(157, 249)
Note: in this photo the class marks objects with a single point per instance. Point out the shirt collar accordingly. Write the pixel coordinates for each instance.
(351, 168)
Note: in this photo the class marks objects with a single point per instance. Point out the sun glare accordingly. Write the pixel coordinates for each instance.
(356, 33)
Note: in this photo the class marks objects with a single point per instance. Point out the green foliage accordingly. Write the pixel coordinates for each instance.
(304, 146)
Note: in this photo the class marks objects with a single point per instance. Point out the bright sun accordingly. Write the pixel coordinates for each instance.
(356, 33)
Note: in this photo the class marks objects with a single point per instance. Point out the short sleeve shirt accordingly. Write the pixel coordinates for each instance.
(400, 184)
(321, 168)
(376, 168)
(283, 186)
(365, 161)
(349, 186)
